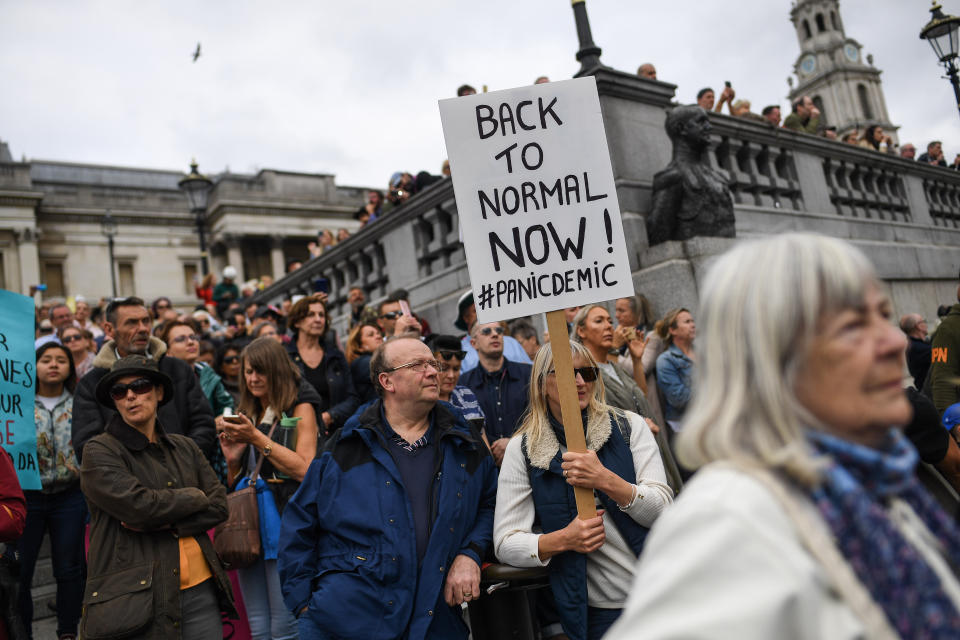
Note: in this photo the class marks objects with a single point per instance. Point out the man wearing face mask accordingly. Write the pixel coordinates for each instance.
(128, 328)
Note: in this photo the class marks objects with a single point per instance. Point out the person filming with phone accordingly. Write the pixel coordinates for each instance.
(276, 421)
(393, 321)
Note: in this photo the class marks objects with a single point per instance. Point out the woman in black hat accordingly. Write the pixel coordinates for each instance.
(153, 572)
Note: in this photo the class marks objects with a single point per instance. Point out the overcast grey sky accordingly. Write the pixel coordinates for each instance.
(351, 88)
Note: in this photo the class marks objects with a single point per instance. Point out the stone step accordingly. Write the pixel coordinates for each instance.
(43, 573)
(45, 629)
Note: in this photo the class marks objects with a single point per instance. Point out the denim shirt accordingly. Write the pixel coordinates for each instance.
(503, 396)
(674, 371)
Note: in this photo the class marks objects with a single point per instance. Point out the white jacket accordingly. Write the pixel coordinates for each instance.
(725, 561)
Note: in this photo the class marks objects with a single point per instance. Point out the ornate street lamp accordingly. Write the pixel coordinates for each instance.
(197, 189)
(108, 227)
(941, 33)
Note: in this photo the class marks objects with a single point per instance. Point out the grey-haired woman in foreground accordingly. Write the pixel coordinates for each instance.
(805, 519)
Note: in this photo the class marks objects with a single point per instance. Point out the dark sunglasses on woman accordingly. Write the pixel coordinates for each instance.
(589, 374)
(140, 386)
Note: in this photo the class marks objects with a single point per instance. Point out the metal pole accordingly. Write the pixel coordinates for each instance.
(113, 268)
(203, 240)
(952, 74)
(589, 53)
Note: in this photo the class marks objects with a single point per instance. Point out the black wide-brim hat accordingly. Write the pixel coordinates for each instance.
(134, 365)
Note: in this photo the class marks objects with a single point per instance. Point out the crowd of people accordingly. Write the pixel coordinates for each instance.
(806, 117)
(392, 461)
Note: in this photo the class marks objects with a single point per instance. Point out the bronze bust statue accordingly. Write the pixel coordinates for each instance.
(690, 198)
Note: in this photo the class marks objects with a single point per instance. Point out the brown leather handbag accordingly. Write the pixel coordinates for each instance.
(237, 540)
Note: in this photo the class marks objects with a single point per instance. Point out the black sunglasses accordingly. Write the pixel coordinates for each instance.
(231, 359)
(391, 315)
(488, 330)
(69, 339)
(589, 374)
(139, 386)
(449, 355)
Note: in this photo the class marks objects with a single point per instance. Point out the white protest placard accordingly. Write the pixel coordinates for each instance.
(536, 198)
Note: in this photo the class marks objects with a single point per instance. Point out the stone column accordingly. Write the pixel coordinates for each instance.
(234, 256)
(276, 257)
(29, 259)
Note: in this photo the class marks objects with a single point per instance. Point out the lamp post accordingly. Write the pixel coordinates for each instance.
(589, 54)
(941, 33)
(197, 189)
(108, 227)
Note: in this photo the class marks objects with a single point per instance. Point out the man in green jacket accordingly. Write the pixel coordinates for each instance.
(945, 360)
(226, 291)
(805, 117)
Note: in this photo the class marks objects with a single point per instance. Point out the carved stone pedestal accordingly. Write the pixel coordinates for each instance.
(671, 273)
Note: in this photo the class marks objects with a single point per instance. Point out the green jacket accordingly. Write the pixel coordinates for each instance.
(945, 361)
(225, 292)
(795, 123)
(212, 387)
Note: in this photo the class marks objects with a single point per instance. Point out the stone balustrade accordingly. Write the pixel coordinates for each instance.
(905, 215)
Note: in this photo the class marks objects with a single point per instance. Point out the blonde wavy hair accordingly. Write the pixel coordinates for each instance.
(762, 305)
(536, 420)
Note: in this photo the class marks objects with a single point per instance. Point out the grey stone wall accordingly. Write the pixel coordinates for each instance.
(904, 215)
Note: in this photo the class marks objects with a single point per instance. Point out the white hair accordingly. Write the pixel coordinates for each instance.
(762, 303)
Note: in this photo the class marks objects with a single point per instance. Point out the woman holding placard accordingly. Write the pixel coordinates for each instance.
(622, 465)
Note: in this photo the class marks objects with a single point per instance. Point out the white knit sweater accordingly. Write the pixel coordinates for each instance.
(610, 568)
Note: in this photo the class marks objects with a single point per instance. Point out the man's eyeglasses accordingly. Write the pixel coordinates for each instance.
(391, 315)
(589, 374)
(488, 330)
(419, 366)
(140, 386)
(450, 355)
(192, 337)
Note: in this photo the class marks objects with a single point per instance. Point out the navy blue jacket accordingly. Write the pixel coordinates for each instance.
(556, 507)
(503, 410)
(347, 543)
(343, 397)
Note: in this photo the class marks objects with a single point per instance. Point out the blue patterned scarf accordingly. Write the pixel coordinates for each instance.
(858, 482)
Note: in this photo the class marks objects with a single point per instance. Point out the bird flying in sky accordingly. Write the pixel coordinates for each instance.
(196, 54)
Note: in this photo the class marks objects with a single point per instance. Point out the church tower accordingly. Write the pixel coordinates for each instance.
(831, 70)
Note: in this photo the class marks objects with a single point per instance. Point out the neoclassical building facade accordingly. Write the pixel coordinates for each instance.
(51, 215)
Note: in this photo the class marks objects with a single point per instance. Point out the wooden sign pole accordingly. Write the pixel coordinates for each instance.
(569, 405)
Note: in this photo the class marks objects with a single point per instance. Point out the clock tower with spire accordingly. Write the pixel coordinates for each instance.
(831, 70)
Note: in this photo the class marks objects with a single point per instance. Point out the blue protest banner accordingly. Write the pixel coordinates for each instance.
(18, 433)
